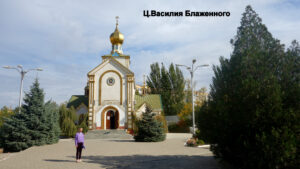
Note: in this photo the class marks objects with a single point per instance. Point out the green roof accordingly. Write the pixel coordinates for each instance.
(152, 100)
(77, 100)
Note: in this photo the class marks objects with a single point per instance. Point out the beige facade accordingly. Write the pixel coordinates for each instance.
(110, 98)
(111, 90)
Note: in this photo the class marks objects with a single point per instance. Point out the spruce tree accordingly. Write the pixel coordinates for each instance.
(35, 116)
(52, 113)
(251, 118)
(37, 124)
(149, 129)
(15, 134)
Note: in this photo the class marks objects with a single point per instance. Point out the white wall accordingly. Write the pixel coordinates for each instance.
(111, 93)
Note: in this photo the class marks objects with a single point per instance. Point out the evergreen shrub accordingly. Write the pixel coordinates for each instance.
(149, 129)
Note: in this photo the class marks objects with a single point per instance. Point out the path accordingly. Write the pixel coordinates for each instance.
(113, 154)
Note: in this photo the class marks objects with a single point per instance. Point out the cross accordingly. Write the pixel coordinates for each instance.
(117, 20)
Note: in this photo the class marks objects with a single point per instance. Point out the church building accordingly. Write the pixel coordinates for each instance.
(110, 98)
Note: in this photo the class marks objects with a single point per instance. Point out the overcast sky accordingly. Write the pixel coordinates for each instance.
(68, 37)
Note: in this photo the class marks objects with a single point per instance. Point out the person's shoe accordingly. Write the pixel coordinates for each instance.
(80, 160)
(77, 161)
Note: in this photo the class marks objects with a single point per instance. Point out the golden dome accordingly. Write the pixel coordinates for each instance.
(116, 38)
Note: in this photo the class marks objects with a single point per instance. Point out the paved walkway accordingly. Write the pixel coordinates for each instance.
(113, 154)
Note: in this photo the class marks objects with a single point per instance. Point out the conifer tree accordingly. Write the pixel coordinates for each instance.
(15, 134)
(252, 115)
(37, 124)
(34, 112)
(149, 129)
(52, 113)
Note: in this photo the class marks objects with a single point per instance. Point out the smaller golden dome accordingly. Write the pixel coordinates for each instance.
(116, 38)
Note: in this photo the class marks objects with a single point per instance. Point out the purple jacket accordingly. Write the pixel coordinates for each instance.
(79, 138)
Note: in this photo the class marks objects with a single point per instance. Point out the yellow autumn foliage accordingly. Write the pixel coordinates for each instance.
(186, 112)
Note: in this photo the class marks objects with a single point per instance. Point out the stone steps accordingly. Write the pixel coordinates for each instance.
(107, 134)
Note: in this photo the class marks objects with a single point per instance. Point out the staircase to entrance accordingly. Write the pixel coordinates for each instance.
(108, 134)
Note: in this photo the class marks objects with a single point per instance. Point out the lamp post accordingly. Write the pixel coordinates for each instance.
(192, 69)
(20, 69)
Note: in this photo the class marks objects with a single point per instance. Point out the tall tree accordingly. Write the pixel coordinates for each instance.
(154, 78)
(177, 92)
(67, 118)
(52, 116)
(37, 124)
(35, 116)
(247, 118)
(169, 83)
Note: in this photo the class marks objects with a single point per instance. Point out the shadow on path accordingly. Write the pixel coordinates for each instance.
(150, 162)
(53, 160)
(122, 140)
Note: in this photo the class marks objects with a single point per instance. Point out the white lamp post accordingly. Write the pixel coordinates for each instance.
(20, 69)
(192, 69)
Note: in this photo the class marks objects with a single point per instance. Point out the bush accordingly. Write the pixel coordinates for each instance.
(191, 142)
(180, 127)
(149, 129)
(200, 142)
(199, 135)
(162, 119)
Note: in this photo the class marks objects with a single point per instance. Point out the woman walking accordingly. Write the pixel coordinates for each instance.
(79, 143)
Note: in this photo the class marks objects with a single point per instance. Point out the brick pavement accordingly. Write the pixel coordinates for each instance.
(113, 154)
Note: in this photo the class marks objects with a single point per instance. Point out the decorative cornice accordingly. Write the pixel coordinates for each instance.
(110, 58)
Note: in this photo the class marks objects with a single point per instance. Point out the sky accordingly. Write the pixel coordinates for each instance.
(68, 37)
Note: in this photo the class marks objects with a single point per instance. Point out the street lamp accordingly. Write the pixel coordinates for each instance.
(192, 70)
(20, 69)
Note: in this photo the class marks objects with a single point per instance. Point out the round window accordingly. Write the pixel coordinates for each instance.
(110, 81)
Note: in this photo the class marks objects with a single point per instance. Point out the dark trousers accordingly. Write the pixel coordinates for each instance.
(79, 150)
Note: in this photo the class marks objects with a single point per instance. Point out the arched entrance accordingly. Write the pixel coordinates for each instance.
(112, 119)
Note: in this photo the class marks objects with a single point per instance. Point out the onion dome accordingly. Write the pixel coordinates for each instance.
(116, 39)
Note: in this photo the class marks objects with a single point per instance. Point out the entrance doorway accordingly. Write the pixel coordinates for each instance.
(112, 119)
